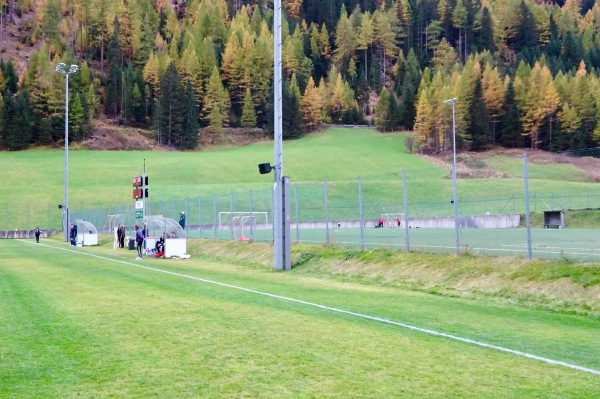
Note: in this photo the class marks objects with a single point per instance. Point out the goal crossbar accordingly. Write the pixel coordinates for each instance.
(227, 218)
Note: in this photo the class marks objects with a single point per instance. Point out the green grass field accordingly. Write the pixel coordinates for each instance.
(93, 322)
(103, 178)
(575, 245)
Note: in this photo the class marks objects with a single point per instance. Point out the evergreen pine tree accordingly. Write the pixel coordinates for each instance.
(478, 130)
(248, 113)
(113, 96)
(292, 124)
(510, 123)
(382, 111)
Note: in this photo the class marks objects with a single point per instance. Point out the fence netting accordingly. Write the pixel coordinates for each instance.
(403, 211)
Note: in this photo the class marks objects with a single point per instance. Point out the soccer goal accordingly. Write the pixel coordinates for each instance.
(226, 219)
(243, 227)
(110, 227)
(393, 219)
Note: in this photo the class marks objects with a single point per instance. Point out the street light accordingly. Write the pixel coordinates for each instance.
(452, 101)
(62, 68)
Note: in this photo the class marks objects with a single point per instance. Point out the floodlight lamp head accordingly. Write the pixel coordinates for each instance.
(264, 168)
(62, 68)
(450, 101)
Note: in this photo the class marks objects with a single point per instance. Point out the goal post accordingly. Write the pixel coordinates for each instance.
(226, 219)
(393, 219)
(243, 227)
(110, 227)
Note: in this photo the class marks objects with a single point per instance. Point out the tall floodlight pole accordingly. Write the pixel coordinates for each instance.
(278, 238)
(62, 68)
(452, 102)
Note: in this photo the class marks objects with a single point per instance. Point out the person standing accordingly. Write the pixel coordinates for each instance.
(121, 235)
(73, 235)
(37, 233)
(182, 220)
(139, 240)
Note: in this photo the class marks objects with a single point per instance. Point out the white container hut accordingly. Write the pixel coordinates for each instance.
(87, 234)
(175, 238)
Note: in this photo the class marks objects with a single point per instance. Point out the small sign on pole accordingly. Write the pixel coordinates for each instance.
(139, 214)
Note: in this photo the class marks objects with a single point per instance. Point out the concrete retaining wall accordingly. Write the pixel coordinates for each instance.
(446, 222)
(25, 233)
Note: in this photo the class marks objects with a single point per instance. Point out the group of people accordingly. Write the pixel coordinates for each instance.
(140, 236)
(380, 223)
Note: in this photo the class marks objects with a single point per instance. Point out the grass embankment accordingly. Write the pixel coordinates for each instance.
(103, 178)
(559, 286)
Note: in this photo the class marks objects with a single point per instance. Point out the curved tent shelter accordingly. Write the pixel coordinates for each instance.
(87, 234)
(175, 239)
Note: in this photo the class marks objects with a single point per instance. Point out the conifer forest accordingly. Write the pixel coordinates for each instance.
(524, 72)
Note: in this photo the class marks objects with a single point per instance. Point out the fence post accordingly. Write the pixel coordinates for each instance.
(231, 215)
(326, 212)
(455, 201)
(251, 217)
(200, 216)
(406, 237)
(360, 212)
(215, 214)
(297, 216)
(527, 216)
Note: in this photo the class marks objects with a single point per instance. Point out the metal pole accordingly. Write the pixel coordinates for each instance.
(231, 215)
(251, 217)
(456, 226)
(215, 214)
(326, 212)
(452, 101)
(360, 212)
(527, 216)
(61, 68)
(278, 238)
(407, 238)
(66, 194)
(200, 216)
(297, 216)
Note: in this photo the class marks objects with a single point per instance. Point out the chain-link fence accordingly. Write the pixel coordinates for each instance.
(540, 217)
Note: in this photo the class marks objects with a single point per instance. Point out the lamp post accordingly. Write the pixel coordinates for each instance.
(452, 101)
(62, 68)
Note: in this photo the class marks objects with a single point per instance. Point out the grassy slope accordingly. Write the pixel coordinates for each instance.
(557, 286)
(104, 178)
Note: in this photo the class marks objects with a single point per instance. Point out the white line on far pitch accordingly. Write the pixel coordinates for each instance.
(347, 312)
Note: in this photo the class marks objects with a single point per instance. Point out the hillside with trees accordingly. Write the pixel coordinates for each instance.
(525, 72)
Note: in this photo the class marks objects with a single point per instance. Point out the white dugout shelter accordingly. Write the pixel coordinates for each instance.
(87, 234)
(175, 239)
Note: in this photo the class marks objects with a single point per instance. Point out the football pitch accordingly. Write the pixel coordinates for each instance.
(94, 322)
(578, 245)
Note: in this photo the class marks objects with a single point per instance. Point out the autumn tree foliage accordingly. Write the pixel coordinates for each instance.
(525, 73)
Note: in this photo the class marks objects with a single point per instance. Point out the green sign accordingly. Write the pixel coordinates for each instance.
(139, 214)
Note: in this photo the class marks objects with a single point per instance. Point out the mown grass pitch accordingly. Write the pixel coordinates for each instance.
(93, 322)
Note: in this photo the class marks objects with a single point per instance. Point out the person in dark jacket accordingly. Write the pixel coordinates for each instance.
(139, 240)
(37, 233)
(121, 236)
(182, 220)
(73, 234)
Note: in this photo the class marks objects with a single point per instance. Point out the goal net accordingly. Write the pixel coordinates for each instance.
(243, 227)
(110, 227)
(226, 219)
(393, 219)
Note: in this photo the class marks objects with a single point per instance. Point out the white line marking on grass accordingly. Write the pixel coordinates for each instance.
(347, 312)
